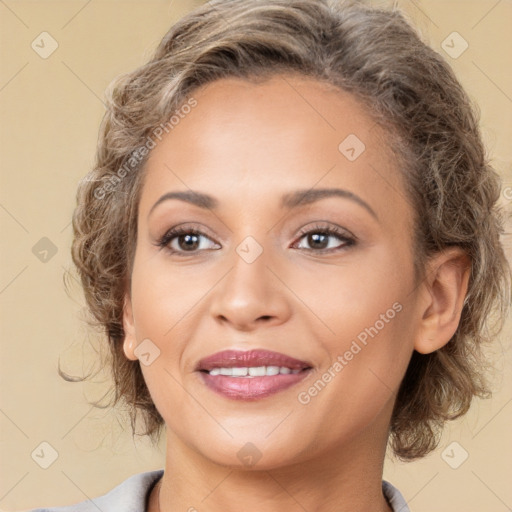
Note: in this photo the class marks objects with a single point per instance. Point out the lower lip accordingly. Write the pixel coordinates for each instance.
(252, 388)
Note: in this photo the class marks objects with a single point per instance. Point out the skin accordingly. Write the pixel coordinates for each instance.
(247, 145)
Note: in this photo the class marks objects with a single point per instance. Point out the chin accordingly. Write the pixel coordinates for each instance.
(256, 454)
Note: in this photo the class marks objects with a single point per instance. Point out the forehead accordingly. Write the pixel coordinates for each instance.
(257, 139)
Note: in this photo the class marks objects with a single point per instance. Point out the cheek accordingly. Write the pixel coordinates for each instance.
(351, 296)
(358, 384)
(367, 313)
(166, 301)
(163, 296)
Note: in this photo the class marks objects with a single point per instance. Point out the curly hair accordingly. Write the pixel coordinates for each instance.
(404, 85)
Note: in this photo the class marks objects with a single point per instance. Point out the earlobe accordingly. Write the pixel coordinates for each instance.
(446, 285)
(129, 342)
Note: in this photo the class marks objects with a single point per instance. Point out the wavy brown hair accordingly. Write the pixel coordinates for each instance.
(405, 86)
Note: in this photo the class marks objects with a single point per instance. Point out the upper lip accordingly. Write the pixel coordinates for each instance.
(249, 358)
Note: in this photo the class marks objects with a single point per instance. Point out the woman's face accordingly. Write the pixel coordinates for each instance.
(303, 248)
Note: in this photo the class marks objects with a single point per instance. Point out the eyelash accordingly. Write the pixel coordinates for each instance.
(347, 239)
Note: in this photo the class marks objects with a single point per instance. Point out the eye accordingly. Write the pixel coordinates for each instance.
(181, 240)
(322, 239)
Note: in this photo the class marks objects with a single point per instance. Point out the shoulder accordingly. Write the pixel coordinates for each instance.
(129, 496)
(394, 497)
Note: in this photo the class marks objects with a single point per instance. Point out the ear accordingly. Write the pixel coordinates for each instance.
(130, 342)
(445, 288)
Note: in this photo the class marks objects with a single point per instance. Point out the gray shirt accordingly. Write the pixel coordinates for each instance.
(132, 495)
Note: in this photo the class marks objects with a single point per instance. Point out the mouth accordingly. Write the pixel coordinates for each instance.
(251, 375)
(252, 371)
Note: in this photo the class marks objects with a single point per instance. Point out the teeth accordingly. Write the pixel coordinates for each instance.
(257, 371)
(253, 371)
(239, 372)
(272, 370)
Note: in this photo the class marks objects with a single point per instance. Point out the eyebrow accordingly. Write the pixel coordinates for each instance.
(289, 200)
(308, 196)
(197, 198)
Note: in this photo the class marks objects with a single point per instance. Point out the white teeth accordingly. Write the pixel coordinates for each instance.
(239, 372)
(253, 371)
(272, 370)
(257, 371)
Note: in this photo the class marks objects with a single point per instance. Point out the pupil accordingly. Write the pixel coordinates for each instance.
(187, 239)
(319, 240)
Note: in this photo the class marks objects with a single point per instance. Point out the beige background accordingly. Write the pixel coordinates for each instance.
(51, 109)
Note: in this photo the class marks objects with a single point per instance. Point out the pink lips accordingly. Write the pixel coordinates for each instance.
(231, 358)
(251, 388)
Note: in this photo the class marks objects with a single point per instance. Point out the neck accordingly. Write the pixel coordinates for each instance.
(348, 478)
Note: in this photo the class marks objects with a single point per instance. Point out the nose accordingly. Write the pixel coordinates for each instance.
(250, 295)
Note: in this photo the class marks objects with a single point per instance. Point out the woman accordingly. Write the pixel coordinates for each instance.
(291, 240)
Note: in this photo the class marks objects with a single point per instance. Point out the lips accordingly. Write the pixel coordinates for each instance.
(250, 358)
(251, 375)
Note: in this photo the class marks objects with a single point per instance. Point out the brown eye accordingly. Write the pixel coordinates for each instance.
(188, 242)
(327, 239)
(182, 240)
(318, 240)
